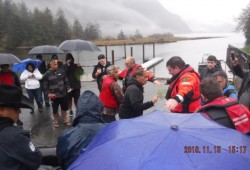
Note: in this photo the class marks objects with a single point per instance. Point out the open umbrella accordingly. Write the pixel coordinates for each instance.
(78, 45)
(20, 67)
(45, 49)
(6, 58)
(166, 141)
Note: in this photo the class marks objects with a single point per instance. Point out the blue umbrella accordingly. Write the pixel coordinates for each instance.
(166, 141)
(20, 67)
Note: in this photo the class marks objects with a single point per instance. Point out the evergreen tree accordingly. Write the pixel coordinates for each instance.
(121, 36)
(48, 27)
(1, 23)
(38, 33)
(19, 26)
(138, 34)
(13, 33)
(77, 30)
(92, 31)
(6, 13)
(244, 23)
(25, 28)
(62, 28)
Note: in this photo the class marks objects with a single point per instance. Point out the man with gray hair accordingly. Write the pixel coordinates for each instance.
(132, 104)
(111, 94)
(129, 71)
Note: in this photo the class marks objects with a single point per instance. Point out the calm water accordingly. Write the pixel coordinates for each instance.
(191, 51)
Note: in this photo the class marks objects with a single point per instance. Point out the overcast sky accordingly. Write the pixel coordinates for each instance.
(203, 14)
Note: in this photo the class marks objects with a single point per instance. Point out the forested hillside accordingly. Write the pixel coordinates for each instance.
(22, 27)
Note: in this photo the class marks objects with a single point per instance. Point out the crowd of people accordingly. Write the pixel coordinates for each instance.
(188, 92)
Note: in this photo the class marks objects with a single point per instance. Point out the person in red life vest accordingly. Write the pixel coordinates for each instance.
(223, 110)
(132, 104)
(8, 77)
(129, 71)
(111, 94)
(183, 95)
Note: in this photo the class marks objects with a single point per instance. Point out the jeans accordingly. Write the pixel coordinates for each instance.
(35, 93)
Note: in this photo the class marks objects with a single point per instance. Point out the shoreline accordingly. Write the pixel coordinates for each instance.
(147, 40)
(132, 41)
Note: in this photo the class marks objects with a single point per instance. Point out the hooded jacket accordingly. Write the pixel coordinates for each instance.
(85, 126)
(132, 104)
(31, 82)
(229, 91)
(72, 73)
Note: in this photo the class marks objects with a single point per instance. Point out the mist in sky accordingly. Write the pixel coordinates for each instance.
(149, 16)
(207, 15)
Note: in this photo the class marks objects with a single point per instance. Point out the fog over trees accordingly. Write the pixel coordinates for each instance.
(148, 16)
(35, 22)
(23, 27)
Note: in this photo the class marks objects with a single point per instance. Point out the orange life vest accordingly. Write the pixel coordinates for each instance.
(191, 97)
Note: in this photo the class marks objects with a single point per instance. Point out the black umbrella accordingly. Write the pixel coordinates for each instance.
(6, 58)
(45, 49)
(78, 45)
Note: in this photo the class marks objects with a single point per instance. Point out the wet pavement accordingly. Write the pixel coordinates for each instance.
(40, 124)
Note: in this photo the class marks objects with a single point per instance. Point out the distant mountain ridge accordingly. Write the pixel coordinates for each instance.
(148, 16)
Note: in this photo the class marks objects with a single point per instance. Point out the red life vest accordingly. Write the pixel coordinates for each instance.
(238, 113)
(106, 96)
(6, 78)
(124, 73)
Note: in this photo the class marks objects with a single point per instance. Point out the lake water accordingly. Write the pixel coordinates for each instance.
(191, 51)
